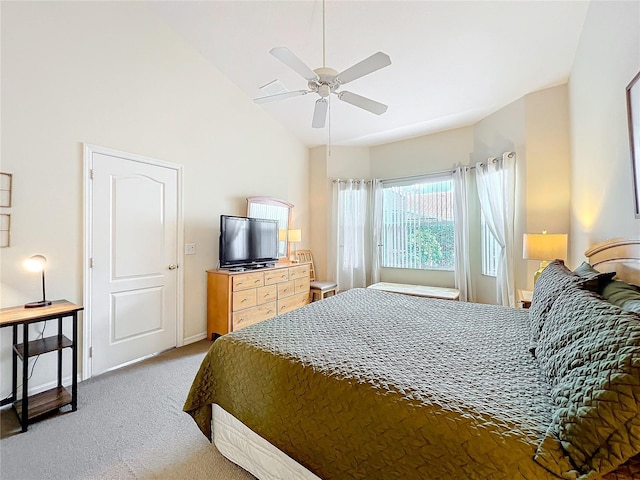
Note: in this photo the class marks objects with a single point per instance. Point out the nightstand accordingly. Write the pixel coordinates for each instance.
(524, 298)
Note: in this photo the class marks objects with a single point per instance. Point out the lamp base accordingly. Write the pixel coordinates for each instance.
(543, 265)
(41, 303)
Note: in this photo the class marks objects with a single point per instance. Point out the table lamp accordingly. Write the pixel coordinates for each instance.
(544, 247)
(36, 264)
(295, 236)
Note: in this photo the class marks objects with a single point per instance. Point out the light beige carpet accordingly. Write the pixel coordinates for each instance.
(129, 424)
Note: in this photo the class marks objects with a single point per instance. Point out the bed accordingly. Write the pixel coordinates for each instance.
(377, 385)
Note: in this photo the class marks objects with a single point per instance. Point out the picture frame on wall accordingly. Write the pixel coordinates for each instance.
(6, 181)
(633, 112)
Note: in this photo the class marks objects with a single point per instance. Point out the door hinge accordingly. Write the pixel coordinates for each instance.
(90, 352)
(91, 174)
(91, 262)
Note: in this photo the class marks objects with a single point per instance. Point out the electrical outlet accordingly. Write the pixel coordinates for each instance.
(190, 249)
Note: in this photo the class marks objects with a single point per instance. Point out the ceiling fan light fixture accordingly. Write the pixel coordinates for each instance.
(324, 90)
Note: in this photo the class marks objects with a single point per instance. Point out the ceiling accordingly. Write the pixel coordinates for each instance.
(453, 62)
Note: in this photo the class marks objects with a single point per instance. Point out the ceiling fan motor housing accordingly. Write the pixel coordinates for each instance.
(326, 83)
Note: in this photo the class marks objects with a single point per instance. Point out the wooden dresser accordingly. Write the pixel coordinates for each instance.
(238, 299)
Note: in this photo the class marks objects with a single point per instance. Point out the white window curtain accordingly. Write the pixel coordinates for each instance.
(496, 190)
(375, 209)
(353, 249)
(461, 176)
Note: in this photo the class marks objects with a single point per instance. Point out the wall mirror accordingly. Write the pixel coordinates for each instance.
(273, 209)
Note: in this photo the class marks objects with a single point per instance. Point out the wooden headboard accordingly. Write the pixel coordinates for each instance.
(619, 255)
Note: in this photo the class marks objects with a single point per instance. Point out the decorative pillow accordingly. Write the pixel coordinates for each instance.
(602, 278)
(620, 293)
(553, 280)
(589, 350)
(632, 306)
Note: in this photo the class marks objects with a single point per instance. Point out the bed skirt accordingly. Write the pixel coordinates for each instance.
(245, 448)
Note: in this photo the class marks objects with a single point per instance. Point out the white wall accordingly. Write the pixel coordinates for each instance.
(110, 74)
(326, 164)
(607, 59)
(536, 127)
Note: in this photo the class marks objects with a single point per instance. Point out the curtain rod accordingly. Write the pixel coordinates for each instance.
(338, 180)
(434, 174)
(442, 172)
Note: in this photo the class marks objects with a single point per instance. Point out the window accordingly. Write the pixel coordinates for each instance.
(490, 249)
(417, 223)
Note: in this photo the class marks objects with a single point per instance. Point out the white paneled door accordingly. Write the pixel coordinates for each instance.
(133, 246)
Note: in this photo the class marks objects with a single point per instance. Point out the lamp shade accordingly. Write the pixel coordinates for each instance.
(544, 246)
(295, 235)
(282, 235)
(35, 263)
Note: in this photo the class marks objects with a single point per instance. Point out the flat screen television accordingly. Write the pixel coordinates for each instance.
(247, 241)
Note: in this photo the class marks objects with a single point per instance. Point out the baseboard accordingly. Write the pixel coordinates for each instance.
(194, 338)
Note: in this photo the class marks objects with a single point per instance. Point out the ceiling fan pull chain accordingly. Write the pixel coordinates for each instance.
(329, 127)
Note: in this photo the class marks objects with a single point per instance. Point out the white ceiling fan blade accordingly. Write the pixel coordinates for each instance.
(371, 64)
(287, 57)
(281, 96)
(363, 102)
(320, 113)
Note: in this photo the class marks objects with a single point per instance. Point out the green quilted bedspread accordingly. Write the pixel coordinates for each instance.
(375, 385)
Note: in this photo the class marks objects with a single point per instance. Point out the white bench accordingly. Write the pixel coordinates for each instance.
(418, 290)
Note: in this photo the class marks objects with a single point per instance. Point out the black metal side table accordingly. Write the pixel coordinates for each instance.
(30, 407)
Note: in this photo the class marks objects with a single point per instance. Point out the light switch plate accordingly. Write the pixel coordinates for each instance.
(190, 249)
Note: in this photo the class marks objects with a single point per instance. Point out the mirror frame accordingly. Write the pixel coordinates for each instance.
(277, 203)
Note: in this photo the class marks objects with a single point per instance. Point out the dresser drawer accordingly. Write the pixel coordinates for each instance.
(276, 276)
(243, 299)
(253, 315)
(291, 303)
(302, 285)
(301, 271)
(286, 289)
(268, 293)
(248, 280)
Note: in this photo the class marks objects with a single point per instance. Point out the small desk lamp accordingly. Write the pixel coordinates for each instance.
(544, 247)
(36, 264)
(295, 236)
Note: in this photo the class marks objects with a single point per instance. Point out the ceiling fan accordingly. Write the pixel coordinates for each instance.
(325, 81)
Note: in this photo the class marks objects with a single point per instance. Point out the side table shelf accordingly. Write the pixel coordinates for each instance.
(29, 407)
(44, 345)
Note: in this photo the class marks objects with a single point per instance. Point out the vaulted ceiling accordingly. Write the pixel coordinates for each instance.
(453, 62)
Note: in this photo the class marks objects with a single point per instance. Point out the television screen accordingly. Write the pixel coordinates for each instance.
(263, 239)
(234, 240)
(246, 241)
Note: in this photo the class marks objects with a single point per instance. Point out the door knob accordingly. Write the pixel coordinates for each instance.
(173, 266)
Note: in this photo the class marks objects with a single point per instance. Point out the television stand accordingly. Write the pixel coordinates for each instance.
(258, 266)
